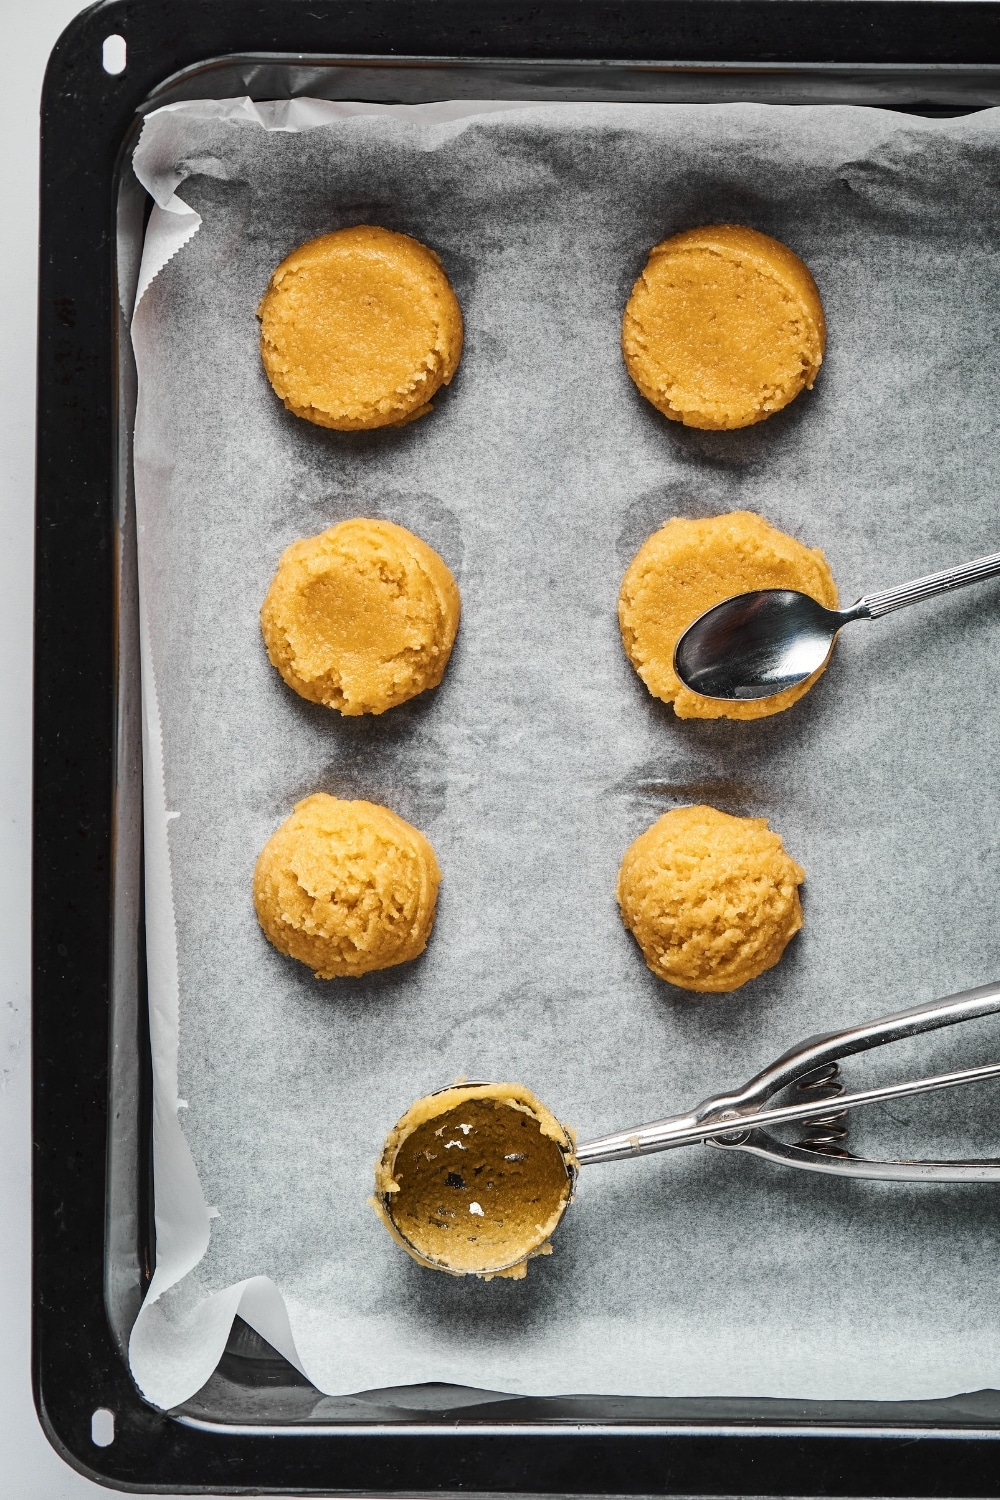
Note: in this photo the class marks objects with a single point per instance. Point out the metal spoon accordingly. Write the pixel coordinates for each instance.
(759, 644)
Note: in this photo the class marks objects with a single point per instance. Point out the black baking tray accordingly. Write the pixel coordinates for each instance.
(258, 1426)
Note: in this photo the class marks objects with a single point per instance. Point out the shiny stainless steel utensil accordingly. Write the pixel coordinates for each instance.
(741, 1120)
(758, 644)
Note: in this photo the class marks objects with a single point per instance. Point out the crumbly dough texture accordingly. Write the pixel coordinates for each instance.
(361, 617)
(712, 900)
(474, 1179)
(685, 568)
(346, 887)
(724, 327)
(359, 328)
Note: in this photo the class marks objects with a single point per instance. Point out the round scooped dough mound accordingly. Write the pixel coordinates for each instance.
(346, 887)
(712, 900)
(474, 1179)
(361, 617)
(685, 568)
(723, 328)
(359, 328)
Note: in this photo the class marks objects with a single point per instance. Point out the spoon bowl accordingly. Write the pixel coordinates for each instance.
(759, 644)
(756, 645)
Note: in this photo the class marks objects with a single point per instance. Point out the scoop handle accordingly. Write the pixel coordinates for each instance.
(747, 1109)
(666, 1135)
(885, 601)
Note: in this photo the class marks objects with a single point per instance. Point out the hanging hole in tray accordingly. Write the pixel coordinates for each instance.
(102, 1428)
(113, 54)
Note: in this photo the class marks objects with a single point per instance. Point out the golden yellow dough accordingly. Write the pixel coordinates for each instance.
(685, 568)
(359, 328)
(723, 327)
(711, 900)
(346, 887)
(361, 617)
(474, 1179)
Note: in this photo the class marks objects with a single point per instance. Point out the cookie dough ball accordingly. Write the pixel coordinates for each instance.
(688, 566)
(474, 1179)
(361, 617)
(346, 887)
(359, 328)
(724, 327)
(711, 900)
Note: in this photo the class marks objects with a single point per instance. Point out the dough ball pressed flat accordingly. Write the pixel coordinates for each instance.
(685, 568)
(361, 617)
(712, 900)
(346, 887)
(359, 328)
(474, 1179)
(723, 328)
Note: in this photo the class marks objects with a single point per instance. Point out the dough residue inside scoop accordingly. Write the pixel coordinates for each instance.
(346, 887)
(474, 1179)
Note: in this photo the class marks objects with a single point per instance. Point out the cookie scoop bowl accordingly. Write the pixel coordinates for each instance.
(475, 1178)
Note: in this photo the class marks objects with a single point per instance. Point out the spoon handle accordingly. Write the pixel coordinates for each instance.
(884, 602)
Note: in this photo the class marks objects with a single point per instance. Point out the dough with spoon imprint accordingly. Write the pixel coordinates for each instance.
(686, 567)
(361, 617)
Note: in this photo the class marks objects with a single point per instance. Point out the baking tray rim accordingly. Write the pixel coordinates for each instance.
(711, 1428)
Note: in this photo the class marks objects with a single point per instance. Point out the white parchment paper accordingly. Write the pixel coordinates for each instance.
(542, 756)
